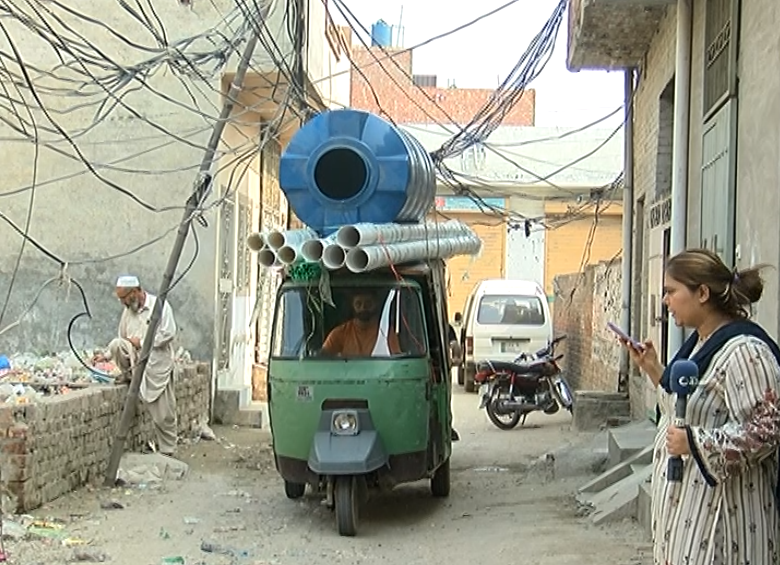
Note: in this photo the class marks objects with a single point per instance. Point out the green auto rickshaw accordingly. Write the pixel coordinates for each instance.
(359, 386)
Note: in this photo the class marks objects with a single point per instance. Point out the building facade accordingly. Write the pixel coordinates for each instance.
(119, 214)
(704, 112)
(516, 173)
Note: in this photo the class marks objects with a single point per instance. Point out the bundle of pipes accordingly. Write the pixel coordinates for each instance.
(363, 247)
(279, 247)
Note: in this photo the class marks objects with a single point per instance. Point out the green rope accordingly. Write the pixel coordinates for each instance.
(305, 272)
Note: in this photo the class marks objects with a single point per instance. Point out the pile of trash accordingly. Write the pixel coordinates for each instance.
(25, 378)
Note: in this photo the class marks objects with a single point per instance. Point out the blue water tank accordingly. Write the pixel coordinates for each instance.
(350, 166)
(382, 34)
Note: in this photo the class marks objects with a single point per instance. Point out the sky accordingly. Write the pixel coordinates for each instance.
(482, 55)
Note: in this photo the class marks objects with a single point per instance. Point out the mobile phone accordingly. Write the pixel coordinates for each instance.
(624, 336)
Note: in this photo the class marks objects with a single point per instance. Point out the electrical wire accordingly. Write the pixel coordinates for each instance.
(23, 78)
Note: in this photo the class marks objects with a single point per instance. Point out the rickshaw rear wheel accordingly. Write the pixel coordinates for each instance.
(440, 483)
(294, 490)
(346, 499)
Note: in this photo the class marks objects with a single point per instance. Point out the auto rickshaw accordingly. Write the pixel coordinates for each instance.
(347, 425)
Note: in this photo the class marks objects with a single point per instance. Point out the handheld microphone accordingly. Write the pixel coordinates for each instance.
(684, 379)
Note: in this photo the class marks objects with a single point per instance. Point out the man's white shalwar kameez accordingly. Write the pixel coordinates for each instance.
(157, 385)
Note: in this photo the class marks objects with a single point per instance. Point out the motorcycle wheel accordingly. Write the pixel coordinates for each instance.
(509, 424)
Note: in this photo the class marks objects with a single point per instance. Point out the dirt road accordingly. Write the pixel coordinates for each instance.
(512, 498)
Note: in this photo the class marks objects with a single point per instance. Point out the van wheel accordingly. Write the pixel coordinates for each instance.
(345, 494)
(440, 483)
(469, 385)
(294, 490)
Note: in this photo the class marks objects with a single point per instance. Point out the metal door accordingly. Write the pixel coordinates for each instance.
(718, 180)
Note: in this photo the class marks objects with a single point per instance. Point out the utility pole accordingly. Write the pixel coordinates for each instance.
(194, 202)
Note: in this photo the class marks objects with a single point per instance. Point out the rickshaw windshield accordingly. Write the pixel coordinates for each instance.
(355, 321)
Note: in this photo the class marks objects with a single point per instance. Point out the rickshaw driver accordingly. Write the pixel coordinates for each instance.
(358, 336)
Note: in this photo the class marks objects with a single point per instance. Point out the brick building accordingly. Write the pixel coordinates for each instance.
(726, 158)
(385, 84)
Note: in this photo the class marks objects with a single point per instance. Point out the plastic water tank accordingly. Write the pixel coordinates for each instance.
(349, 166)
(382, 34)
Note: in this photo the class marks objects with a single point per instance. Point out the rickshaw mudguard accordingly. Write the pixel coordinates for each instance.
(357, 454)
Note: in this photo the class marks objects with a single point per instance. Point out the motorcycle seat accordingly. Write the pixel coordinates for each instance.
(535, 366)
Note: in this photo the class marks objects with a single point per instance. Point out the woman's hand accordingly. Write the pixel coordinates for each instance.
(646, 358)
(677, 441)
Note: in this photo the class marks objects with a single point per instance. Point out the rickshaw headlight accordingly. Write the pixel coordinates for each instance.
(344, 423)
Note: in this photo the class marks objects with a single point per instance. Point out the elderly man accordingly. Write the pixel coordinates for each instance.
(156, 389)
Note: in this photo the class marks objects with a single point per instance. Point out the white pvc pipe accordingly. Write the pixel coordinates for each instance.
(361, 259)
(288, 255)
(682, 98)
(255, 241)
(360, 235)
(628, 221)
(274, 239)
(333, 257)
(267, 257)
(312, 250)
(277, 239)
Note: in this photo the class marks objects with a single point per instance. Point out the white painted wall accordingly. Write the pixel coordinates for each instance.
(525, 255)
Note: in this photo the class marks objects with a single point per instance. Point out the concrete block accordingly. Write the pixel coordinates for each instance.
(618, 501)
(592, 409)
(636, 463)
(644, 509)
(626, 441)
(228, 402)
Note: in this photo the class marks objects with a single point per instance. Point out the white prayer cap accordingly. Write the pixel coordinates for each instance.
(128, 281)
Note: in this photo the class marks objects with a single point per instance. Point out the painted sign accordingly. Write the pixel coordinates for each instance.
(466, 204)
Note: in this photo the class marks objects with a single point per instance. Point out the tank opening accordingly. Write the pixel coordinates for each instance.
(340, 174)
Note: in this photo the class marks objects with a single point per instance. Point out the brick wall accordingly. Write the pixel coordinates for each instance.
(584, 303)
(392, 94)
(58, 444)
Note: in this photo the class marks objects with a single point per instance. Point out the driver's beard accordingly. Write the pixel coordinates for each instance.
(134, 306)
(364, 316)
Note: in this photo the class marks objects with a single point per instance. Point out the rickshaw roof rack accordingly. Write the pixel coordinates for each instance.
(313, 271)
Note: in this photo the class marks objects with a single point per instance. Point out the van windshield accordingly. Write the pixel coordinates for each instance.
(510, 310)
(362, 322)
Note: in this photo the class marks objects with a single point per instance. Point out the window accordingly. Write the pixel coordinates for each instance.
(506, 310)
(366, 321)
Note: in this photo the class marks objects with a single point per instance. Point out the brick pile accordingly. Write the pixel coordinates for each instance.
(60, 443)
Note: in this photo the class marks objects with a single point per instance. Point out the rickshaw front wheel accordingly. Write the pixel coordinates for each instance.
(440, 483)
(345, 493)
(294, 490)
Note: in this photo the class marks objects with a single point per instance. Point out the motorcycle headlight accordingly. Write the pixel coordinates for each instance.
(344, 423)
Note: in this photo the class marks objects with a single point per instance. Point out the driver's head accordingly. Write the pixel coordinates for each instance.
(364, 305)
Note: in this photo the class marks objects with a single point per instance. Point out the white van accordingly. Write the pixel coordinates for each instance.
(502, 319)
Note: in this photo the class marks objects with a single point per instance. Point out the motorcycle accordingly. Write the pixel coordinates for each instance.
(530, 383)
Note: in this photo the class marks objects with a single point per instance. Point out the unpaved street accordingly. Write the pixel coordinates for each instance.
(508, 501)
